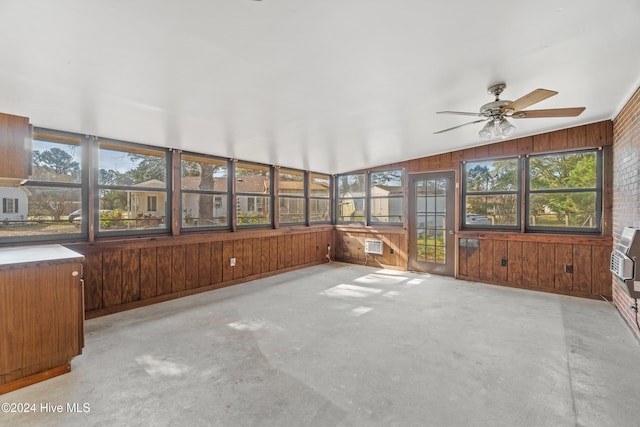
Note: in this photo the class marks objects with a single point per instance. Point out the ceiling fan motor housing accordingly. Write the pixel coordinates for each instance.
(493, 109)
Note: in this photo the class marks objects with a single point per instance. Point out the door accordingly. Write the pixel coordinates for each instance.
(431, 223)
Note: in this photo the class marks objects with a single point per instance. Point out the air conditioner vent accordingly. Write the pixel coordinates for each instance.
(622, 266)
(373, 246)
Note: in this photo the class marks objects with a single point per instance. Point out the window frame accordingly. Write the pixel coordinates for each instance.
(370, 198)
(123, 146)
(339, 199)
(289, 197)
(237, 194)
(68, 138)
(315, 198)
(226, 192)
(464, 193)
(598, 189)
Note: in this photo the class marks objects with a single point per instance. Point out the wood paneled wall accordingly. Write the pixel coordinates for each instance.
(598, 134)
(479, 254)
(125, 274)
(578, 266)
(350, 246)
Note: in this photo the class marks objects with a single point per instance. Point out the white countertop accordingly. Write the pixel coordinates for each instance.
(25, 254)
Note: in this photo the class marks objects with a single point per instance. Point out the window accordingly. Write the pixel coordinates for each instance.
(564, 191)
(132, 188)
(152, 203)
(319, 198)
(253, 194)
(351, 197)
(41, 208)
(9, 205)
(491, 194)
(386, 200)
(291, 196)
(205, 189)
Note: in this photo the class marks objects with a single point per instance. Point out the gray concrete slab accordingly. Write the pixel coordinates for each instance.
(345, 345)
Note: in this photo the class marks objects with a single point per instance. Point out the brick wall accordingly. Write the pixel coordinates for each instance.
(626, 188)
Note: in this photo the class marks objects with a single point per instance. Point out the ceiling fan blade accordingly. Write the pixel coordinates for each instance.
(460, 113)
(459, 126)
(527, 100)
(557, 112)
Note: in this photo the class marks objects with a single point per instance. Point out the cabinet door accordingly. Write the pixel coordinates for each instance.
(41, 318)
(15, 147)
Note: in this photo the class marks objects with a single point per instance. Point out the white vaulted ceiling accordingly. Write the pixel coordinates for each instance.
(328, 86)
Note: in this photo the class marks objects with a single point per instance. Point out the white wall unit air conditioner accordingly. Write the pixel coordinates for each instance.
(624, 260)
(373, 246)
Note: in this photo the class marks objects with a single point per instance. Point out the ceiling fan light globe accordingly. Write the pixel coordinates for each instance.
(486, 131)
(506, 128)
(497, 130)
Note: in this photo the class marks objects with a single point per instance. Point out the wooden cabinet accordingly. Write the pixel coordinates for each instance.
(41, 313)
(15, 147)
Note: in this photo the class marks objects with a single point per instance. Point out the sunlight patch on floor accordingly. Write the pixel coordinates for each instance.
(380, 279)
(157, 367)
(359, 311)
(350, 291)
(391, 272)
(247, 325)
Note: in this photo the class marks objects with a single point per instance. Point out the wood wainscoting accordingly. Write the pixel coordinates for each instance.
(350, 246)
(129, 273)
(552, 263)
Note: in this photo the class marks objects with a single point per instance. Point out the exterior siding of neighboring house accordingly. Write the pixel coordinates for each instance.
(15, 203)
(191, 207)
(147, 203)
(385, 207)
(191, 202)
(253, 188)
(351, 206)
(253, 196)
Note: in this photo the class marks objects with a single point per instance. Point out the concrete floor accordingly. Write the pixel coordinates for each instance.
(345, 345)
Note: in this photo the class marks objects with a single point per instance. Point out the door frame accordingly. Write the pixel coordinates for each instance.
(413, 264)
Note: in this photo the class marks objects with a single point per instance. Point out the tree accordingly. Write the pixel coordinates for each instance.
(56, 202)
(207, 172)
(352, 184)
(114, 199)
(111, 177)
(478, 178)
(390, 178)
(497, 180)
(571, 171)
(148, 168)
(55, 165)
(205, 206)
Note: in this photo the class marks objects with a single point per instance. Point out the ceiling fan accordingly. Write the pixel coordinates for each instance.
(496, 113)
